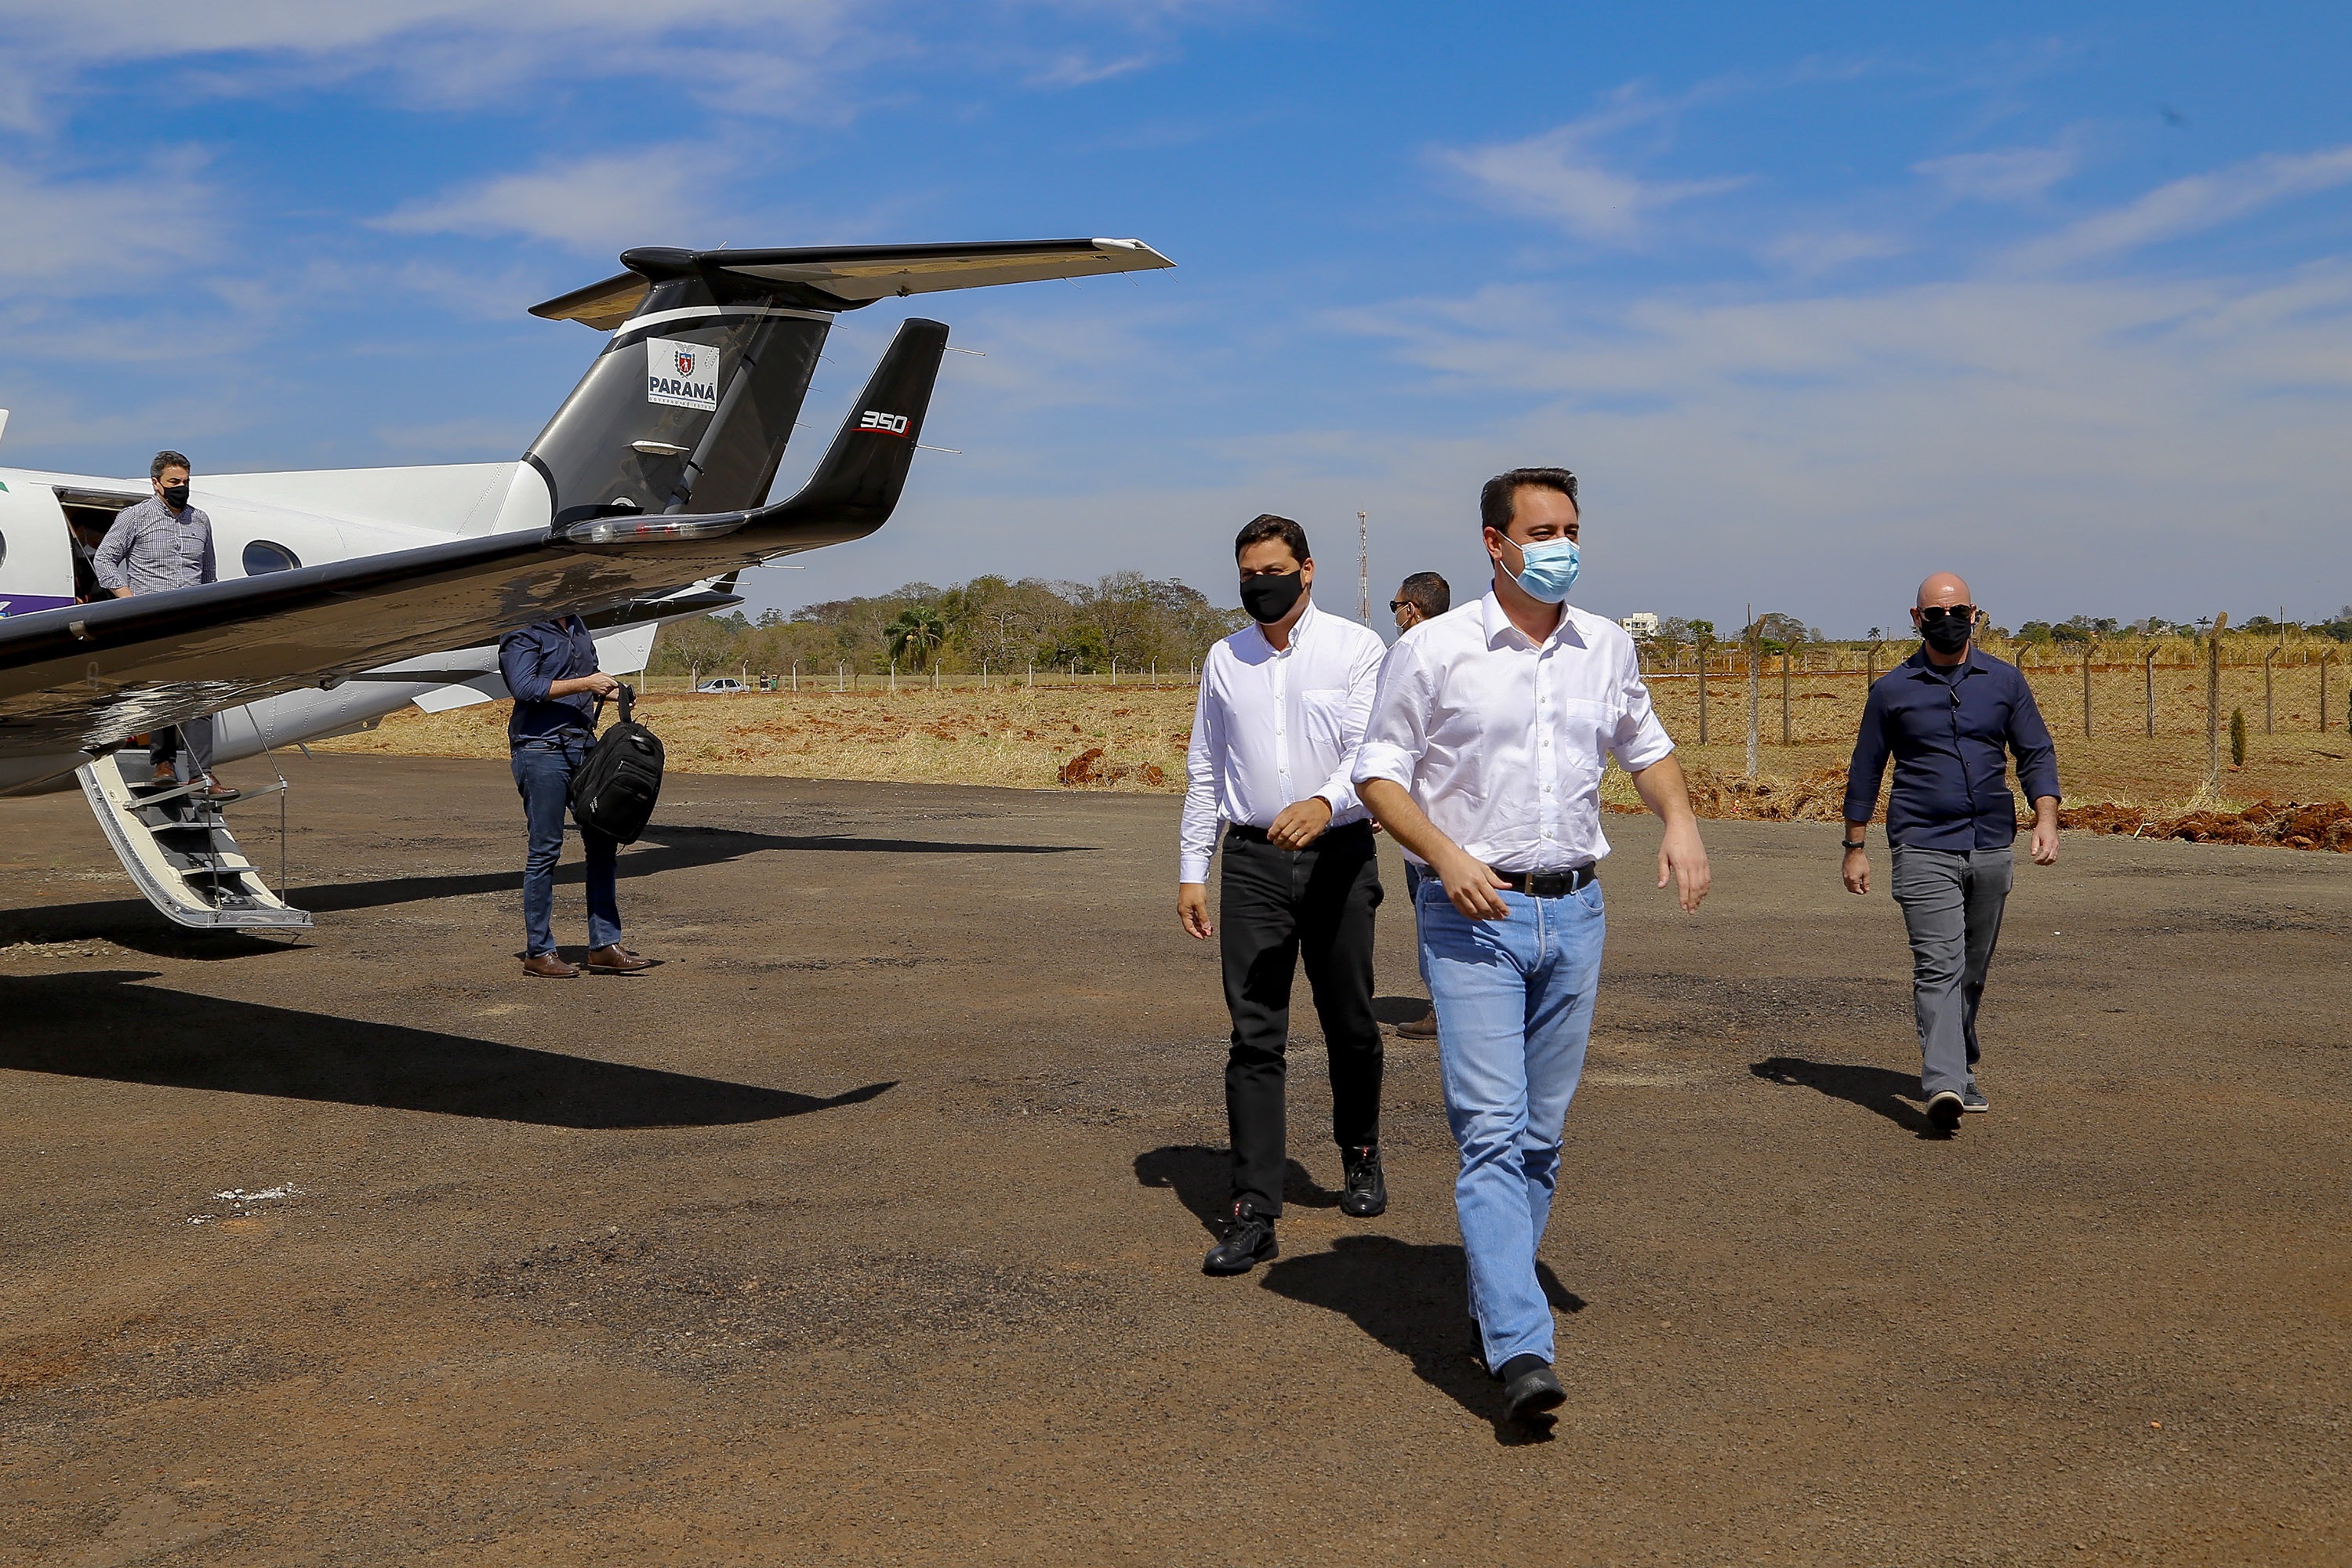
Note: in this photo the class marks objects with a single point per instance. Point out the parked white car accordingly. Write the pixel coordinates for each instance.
(730, 684)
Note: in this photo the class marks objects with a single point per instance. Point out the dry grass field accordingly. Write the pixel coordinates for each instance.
(1133, 738)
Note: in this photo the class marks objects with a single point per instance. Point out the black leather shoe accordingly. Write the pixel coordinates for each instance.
(1529, 1388)
(1945, 1109)
(1365, 1190)
(1249, 1241)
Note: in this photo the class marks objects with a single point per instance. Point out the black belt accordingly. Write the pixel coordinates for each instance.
(1549, 884)
(1244, 832)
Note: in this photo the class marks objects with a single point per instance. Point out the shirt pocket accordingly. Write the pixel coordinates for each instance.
(1580, 736)
(1323, 713)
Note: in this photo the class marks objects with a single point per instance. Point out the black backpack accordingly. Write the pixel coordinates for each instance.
(615, 788)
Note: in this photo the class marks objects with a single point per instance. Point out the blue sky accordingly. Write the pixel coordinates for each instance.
(1815, 299)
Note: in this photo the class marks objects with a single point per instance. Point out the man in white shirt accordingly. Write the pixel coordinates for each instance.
(1282, 706)
(1484, 759)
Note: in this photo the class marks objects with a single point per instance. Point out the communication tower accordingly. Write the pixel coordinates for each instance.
(1363, 570)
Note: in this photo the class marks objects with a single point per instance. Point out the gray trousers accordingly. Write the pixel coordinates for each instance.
(163, 747)
(1951, 903)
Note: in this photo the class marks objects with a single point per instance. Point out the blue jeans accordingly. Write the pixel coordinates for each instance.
(1513, 1011)
(542, 776)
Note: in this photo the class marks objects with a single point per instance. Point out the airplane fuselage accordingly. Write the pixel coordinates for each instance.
(271, 522)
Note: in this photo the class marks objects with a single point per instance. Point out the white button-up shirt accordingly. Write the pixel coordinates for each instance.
(1275, 726)
(1502, 740)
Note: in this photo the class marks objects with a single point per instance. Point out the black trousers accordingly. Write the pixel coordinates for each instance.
(1277, 906)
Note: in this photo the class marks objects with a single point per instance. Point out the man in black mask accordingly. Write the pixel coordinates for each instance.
(1281, 708)
(157, 545)
(1949, 716)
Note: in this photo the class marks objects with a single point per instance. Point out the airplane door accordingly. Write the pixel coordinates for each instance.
(37, 560)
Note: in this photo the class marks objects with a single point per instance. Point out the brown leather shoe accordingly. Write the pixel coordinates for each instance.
(1421, 1028)
(547, 966)
(163, 777)
(615, 958)
(218, 793)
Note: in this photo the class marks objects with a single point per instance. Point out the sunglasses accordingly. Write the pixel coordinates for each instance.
(1964, 614)
(1396, 605)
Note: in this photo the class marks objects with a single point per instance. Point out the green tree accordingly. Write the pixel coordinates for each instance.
(916, 636)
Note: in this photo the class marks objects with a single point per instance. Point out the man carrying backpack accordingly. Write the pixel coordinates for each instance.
(551, 668)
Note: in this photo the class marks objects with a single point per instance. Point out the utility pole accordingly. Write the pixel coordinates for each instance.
(1363, 569)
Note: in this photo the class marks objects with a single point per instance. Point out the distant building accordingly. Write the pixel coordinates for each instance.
(1642, 626)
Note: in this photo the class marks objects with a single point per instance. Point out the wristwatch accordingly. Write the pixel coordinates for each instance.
(1853, 844)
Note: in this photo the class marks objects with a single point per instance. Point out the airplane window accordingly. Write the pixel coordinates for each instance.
(262, 556)
(4, 550)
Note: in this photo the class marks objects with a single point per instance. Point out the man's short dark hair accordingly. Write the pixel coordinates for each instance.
(1500, 498)
(167, 460)
(1428, 593)
(1266, 526)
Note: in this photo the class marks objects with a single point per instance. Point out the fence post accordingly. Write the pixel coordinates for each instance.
(935, 674)
(1033, 675)
(894, 675)
(1870, 671)
(2148, 668)
(2267, 691)
(2213, 711)
(1787, 657)
(2087, 692)
(2325, 660)
(1754, 692)
(1702, 690)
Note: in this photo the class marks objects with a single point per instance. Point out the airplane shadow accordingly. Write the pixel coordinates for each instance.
(132, 923)
(1881, 1091)
(1413, 1299)
(104, 1025)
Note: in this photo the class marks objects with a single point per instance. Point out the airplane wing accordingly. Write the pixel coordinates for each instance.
(91, 676)
(846, 276)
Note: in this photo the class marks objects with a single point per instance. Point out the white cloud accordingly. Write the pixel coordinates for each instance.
(1560, 178)
(1077, 68)
(1808, 254)
(2009, 175)
(73, 234)
(595, 205)
(2189, 206)
(2075, 445)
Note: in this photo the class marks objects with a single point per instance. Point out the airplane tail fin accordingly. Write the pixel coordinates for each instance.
(853, 491)
(689, 406)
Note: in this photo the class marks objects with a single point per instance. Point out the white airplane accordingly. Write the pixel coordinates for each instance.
(346, 594)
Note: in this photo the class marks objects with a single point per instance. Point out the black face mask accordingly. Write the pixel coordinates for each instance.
(176, 494)
(1269, 597)
(1947, 636)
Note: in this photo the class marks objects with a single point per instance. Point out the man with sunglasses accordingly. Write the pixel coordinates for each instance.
(1950, 716)
(1424, 596)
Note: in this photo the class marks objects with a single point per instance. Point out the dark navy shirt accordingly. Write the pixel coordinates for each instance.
(533, 659)
(1950, 732)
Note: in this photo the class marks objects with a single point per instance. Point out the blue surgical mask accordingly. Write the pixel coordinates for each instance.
(1547, 569)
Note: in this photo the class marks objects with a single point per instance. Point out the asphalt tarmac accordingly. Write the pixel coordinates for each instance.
(866, 1229)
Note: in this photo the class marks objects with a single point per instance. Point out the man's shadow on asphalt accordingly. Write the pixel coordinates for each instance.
(1414, 1299)
(1889, 1093)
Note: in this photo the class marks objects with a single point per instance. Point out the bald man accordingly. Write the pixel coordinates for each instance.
(1950, 716)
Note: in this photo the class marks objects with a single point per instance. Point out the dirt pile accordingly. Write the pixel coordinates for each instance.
(2326, 826)
(1090, 768)
(1816, 797)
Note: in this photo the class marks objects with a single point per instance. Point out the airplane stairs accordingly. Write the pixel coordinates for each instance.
(180, 851)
